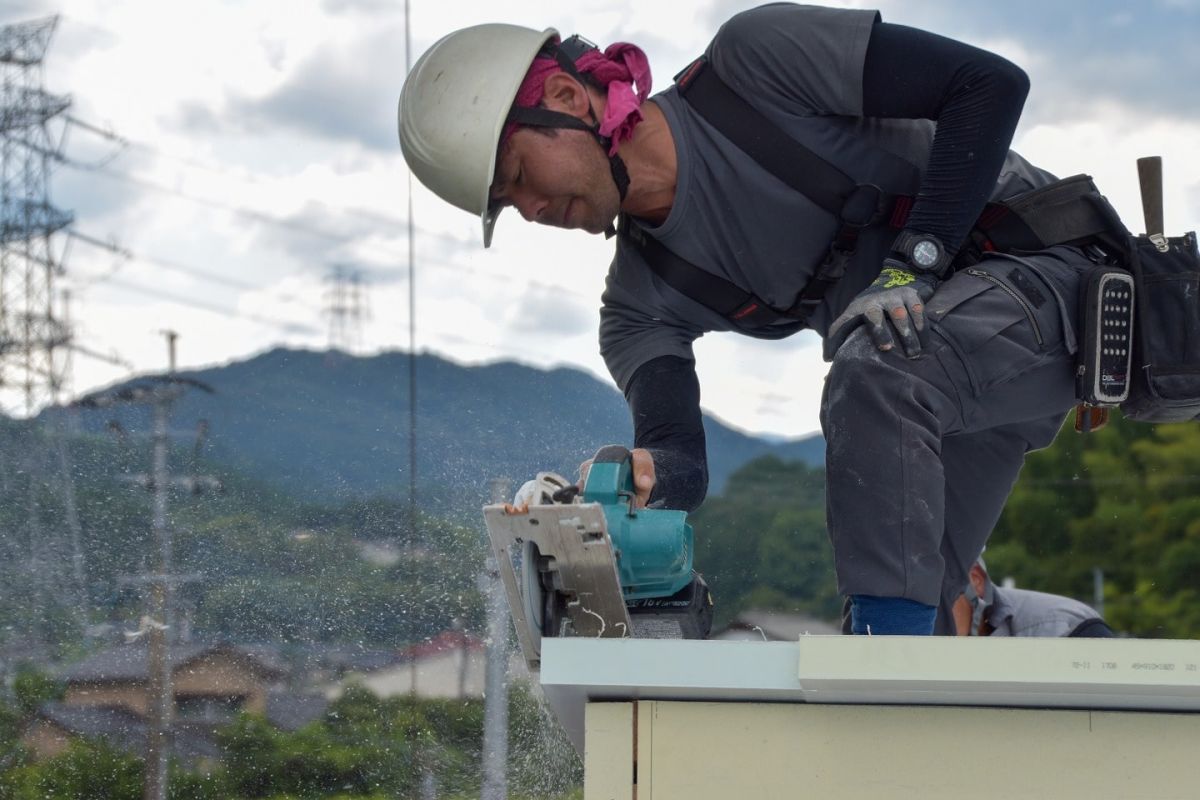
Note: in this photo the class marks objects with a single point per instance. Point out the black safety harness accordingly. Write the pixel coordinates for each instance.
(1050, 215)
(1069, 211)
(855, 205)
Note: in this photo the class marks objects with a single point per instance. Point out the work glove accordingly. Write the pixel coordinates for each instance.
(892, 307)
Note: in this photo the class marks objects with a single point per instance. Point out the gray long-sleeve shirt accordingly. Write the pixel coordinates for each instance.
(1021, 612)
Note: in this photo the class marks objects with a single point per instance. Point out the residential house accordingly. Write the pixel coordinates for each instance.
(108, 696)
(451, 665)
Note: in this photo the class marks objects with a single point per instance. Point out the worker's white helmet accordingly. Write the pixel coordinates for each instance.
(453, 109)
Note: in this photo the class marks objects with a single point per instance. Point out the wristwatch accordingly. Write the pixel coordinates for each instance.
(921, 251)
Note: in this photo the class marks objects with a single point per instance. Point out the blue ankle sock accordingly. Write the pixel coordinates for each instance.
(895, 616)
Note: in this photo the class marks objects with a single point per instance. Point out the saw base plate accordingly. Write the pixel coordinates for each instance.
(578, 561)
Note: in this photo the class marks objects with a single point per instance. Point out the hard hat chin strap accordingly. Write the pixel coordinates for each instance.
(545, 118)
(566, 53)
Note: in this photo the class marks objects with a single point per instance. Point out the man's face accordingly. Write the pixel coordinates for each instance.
(561, 178)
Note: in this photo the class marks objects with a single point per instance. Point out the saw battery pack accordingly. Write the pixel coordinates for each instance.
(687, 614)
(1106, 352)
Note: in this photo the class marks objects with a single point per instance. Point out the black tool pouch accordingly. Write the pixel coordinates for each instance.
(1069, 211)
(1165, 380)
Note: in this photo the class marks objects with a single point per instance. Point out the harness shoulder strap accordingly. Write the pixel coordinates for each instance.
(780, 153)
(727, 299)
(855, 205)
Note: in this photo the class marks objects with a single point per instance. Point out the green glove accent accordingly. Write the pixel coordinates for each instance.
(891, 277)
(892, 307)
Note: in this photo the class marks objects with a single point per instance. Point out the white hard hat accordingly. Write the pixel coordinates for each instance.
(453, 108)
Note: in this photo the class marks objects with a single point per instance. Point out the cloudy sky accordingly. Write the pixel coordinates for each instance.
(237, 153)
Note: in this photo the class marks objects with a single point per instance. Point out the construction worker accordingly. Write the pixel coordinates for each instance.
(941, 380)
(985, 609)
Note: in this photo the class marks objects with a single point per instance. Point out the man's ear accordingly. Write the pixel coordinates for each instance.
(564, 93)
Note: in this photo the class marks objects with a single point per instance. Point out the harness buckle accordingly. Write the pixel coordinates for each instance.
(863, 207)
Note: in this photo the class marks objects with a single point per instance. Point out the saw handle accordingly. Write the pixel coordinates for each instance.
(610, 477)
(612, 454)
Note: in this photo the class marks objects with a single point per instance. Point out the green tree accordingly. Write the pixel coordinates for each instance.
(1124, 500)
(86, 771)
(32, 688)
(763, 542)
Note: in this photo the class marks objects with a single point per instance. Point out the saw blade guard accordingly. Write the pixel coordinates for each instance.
(654, 547)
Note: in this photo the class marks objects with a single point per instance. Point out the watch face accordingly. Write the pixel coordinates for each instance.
(925, 253)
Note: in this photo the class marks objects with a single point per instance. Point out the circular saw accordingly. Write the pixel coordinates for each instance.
(590, 563)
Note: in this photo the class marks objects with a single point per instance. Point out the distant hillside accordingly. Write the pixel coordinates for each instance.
(327, 426)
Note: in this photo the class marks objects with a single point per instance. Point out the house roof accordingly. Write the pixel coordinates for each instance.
(775, 626)
(348, 658)
(129, 662)
(126, 731)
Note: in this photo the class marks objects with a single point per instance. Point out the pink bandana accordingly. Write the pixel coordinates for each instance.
(619, 68)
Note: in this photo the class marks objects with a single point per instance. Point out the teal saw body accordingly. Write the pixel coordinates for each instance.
(653, 547)
(591, 563)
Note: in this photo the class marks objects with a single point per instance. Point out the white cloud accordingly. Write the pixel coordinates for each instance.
(184, 80)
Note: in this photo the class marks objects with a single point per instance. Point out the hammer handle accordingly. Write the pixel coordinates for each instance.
(1150, 179)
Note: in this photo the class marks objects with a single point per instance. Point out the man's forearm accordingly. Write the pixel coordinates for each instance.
(976, 99)
(664, 400)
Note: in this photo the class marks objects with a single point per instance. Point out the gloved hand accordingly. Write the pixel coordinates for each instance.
(893, 306)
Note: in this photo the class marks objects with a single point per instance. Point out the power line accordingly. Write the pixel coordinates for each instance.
(291, 327)
(412, 321)
(176, 266)
(110, 278)
(258, 216)
(223, 280)
(197, 272)
(291, 225)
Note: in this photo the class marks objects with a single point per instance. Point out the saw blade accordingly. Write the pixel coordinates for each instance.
(575, 566)
(533, 594)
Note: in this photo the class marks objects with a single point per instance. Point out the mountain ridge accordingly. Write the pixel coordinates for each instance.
(325, 425)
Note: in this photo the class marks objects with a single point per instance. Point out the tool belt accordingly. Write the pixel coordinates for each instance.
(1069, 211)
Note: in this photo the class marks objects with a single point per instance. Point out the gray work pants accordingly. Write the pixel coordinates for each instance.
(922, 453)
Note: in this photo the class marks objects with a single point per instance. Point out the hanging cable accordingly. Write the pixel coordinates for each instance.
(175, 266)
(412, 320)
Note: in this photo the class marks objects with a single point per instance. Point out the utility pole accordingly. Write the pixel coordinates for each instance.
(161, 395)
(495, 693)
(158, 744)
